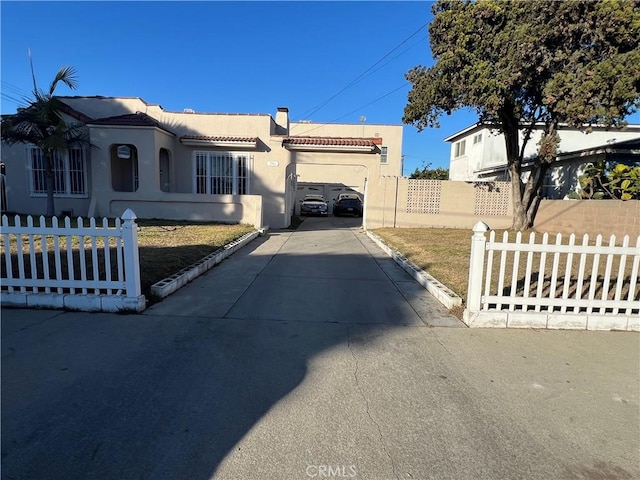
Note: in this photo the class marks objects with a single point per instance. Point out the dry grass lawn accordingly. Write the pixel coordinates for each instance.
(444, 253)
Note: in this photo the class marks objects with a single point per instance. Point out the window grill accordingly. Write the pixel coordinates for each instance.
(69, 172)
(222, 173)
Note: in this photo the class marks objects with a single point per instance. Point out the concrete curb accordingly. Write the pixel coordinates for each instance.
(443, 294)
(167, 286)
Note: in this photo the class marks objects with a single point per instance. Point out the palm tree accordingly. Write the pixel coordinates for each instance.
(41, 124)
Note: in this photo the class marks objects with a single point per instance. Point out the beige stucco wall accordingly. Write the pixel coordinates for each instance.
(593, 217)
(462, 205)
(451, 204)
(275, 170)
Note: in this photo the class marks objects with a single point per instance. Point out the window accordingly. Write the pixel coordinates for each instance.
(222, 173)
(459, 148)
(69, 172)
(477, 138)
(383, 155)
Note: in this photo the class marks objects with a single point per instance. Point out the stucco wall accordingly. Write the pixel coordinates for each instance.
(400, 202)
(593, 217)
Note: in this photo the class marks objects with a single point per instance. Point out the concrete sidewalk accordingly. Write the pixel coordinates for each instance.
(305, 355)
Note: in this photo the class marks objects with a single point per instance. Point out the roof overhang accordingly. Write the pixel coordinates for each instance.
(219, 142)
(332, 148)
(332, 144)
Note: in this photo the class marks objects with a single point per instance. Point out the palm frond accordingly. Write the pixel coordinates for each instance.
(66, 75)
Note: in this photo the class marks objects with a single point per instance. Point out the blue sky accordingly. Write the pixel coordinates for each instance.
(241, 57)
(248, 57)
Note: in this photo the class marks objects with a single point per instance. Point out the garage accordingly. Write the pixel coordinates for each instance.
(329, 191)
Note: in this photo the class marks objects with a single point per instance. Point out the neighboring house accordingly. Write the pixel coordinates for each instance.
(478, 153)
(196, 166)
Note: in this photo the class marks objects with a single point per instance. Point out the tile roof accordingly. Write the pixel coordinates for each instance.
(208, 138)
(137, 119)
(331, 141)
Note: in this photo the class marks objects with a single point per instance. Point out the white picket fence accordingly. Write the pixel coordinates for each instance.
(81, 267)
(590, 285)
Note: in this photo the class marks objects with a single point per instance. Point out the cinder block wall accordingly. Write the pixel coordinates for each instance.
(593, 217)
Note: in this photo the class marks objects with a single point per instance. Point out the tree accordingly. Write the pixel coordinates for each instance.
(521, 64)
(427, 173)
(41, 123)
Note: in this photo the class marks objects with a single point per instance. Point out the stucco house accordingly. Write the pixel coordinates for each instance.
(231, 167)
(478, 153)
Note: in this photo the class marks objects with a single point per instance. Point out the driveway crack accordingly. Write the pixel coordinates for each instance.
(366, 402)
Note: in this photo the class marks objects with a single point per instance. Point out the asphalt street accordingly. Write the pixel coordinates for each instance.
(310, 354)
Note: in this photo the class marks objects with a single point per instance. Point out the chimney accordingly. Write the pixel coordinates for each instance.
(282, 121)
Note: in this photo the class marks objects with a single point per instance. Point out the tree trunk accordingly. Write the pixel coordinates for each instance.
(520, 217)
(48, 169)
(510, 130)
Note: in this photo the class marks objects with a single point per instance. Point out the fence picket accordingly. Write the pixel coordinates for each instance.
(20, 253)
(621, 267)
(514, 272)
(7, 249)
(32, 251)
(607, 273)
(554, 270)
(69, 246)
(594, 273)
(119, 250)
(567, 273)
(487, 283)
(634, 277)
(94, 254)
(527, 275)
(107, 254)
(542, 271)
(44, 252)
(56, 253)
(581, 268)
(83, 260)
(503, 263)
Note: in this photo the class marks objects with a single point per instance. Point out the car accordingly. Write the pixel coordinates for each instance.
(348, 204)
(314, 205)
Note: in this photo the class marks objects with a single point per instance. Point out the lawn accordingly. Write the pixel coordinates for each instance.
(444, 253)
(169, 246)
(441, 252)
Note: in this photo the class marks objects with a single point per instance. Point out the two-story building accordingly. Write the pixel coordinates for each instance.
(478, 153)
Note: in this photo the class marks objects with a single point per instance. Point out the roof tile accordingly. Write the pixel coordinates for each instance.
(331, 141)
(208, 138)
(137, 119)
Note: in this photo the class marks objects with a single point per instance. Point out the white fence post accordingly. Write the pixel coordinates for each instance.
(476, 266)
(131, 257)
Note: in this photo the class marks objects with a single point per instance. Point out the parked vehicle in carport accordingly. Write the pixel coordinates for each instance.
(348, 204)
(314, 205)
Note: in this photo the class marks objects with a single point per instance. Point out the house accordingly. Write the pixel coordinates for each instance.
(229, 167)
(478, 153)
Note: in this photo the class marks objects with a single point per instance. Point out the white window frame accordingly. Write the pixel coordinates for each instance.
(477, 138)
(215, 167)
(68, 182)
(384, 155)
(459, 148)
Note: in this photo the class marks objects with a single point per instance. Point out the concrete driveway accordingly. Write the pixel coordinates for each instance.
(309, 354)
